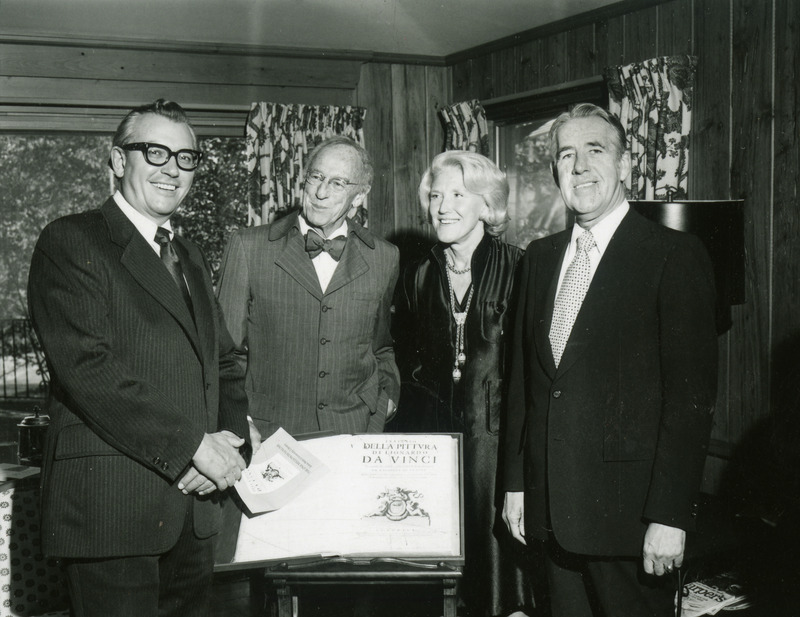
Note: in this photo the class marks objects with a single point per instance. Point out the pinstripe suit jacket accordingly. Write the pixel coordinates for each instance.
(315, 361)
(135, 384)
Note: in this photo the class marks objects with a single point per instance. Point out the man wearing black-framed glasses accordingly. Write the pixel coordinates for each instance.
(148, 409)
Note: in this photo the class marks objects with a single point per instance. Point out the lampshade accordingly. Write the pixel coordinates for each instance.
(720, 225)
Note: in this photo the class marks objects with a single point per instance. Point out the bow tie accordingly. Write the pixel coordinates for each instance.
(315, 244)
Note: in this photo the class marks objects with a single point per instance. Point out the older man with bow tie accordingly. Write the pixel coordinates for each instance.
(307, 301)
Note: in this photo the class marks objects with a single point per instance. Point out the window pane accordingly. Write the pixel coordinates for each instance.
(534, 203)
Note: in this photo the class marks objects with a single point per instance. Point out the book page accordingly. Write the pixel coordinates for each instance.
(384, 495)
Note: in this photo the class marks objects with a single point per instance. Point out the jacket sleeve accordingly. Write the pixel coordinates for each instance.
(688, 359)
(382, 343)
(234, 296)
(513, 426)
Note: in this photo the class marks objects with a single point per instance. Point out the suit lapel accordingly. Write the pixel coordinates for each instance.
(148, 271)
(351, 265)
(548, 268)
(608, 285)
(294, 260)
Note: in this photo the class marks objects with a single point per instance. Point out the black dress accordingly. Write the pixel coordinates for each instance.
(496, 577)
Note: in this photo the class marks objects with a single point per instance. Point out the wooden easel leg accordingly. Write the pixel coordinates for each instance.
(449, 597)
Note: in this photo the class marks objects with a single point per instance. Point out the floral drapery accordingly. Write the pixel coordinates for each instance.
(278, 139)
(653, 100)
(465, 127)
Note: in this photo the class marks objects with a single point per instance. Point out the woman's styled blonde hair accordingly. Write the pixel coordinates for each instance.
(481, 177)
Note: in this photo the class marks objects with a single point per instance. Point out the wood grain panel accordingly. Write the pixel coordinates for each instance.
(373, 92)
(41, 90)
(675, 28)
(461, 77)
(437, 94)
(709, 176)
(786, 237)
(610, 42)
(750, 180)
(581, 53)
(529, 66)
(554, 59)
(410, 145)
(504, 71)
(69, 62)
(641, 34)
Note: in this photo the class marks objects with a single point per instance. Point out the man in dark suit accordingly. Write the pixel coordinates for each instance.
(307, 301)
(147, 406)
(612, 386)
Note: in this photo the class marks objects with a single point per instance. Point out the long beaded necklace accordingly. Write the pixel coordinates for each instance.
(460, 317)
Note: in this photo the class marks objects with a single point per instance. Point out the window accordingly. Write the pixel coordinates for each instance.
(45, 176)
(521, 134)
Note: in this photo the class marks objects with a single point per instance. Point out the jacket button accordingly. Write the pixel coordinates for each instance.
(322, 373)
(322, 341)
(156, 461)
(325, 308)
(557, 394)
(322, 405)
(165, 466)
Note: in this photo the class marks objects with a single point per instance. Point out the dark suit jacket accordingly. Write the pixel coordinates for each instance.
(135, 384)
(615, 437)
(315, 361)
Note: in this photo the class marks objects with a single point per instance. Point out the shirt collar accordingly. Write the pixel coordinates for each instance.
(146, 227)
(339, 231)
(604, 230)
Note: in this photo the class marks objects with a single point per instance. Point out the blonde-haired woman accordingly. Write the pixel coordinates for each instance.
(452, 321)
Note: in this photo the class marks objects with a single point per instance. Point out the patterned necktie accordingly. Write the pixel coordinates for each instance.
(173, 264)
(570, 296)
(315, 244)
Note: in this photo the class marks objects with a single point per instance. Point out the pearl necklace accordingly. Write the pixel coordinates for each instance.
(460, 317)
(452, 267)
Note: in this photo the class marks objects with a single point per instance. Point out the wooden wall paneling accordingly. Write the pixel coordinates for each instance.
(71, 62)
(641, 35)
(786, 234)
(529, 66)
(554, 59)
(102, 93)
(750, 180)
(437, 87)
(581, 53)
(461, 77)
(710, 159)
(410, 138)
(504, 71)
(675, 28)
(482, 78)
(374, 93)
(610, 42)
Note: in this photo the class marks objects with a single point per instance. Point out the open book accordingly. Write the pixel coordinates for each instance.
(392, 495)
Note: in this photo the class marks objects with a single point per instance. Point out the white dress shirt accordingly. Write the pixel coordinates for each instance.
(324, 264)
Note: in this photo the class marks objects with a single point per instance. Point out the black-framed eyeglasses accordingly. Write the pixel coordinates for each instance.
(336, 185)
(159, 155)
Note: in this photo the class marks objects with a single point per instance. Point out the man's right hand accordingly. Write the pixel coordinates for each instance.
(218, 458)
(514, 514)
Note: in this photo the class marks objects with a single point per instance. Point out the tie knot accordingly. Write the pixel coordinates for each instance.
(162, 236)
(586, 241)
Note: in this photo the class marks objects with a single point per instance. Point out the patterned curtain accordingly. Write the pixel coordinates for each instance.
(465, 127)
(278, 139)
(653, 100)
